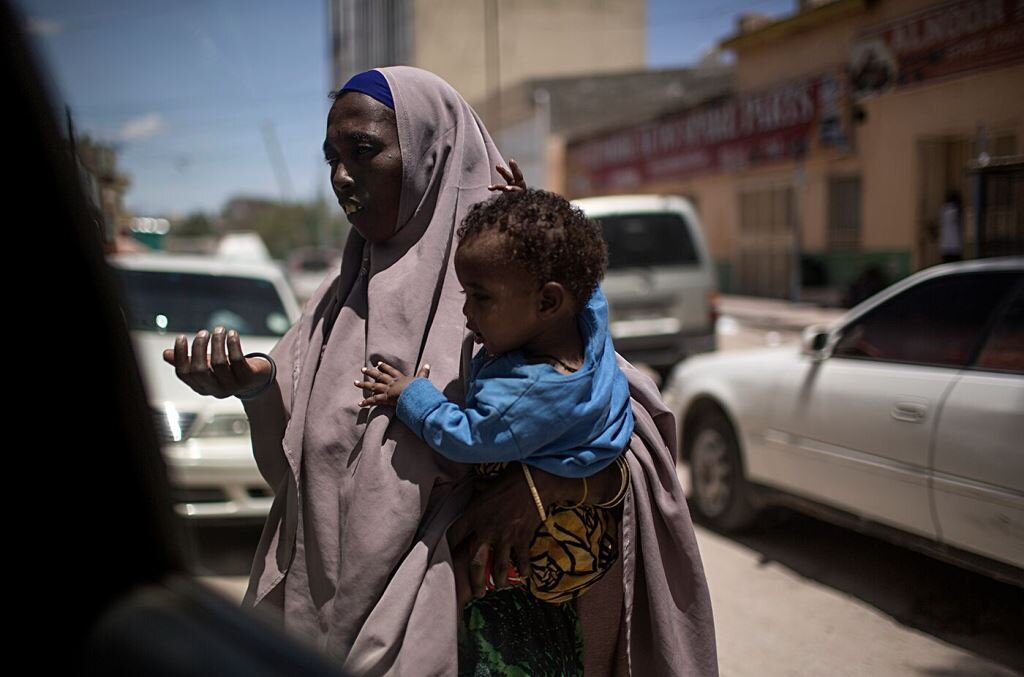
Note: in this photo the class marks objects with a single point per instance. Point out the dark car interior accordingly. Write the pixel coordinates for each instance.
(119, 598)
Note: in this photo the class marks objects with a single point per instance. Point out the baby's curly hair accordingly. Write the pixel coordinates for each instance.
(553, 240)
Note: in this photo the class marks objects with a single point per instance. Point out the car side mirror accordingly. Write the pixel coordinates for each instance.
(815, 342)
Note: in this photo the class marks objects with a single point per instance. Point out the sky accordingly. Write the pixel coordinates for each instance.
(200, 97)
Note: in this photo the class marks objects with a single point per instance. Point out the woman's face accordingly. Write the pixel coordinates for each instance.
(366, 163)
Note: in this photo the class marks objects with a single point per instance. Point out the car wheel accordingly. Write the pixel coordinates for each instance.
(720, 493)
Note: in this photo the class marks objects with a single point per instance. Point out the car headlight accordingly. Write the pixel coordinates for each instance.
(224, 425)
(172, 425)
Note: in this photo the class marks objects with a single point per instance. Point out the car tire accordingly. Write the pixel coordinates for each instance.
(719, 492)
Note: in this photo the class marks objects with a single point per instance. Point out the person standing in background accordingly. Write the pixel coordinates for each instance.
(950, 233)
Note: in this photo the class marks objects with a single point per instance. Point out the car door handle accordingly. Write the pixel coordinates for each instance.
(910, 412)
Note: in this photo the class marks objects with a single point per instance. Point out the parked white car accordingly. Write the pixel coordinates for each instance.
(205, 440)
(905, 419)
(660, 283)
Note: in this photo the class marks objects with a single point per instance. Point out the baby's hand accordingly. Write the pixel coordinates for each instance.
(386, 383)
(514, 181)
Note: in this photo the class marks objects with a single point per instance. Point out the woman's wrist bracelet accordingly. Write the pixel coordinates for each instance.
(256, 392)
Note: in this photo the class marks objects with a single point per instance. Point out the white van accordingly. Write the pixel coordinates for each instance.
(661, 282)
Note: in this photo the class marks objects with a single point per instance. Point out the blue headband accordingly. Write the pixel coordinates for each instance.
(372, 84)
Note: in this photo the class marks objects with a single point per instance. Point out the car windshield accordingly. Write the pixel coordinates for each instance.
(176, 302)
(646, 240)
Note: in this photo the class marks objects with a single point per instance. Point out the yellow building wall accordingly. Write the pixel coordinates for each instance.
(885, 151)
(896, 122)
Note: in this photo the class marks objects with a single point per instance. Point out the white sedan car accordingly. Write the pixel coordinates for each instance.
(205, 440)
(904, 419)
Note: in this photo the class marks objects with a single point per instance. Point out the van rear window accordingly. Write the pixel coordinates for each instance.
(646, 240)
